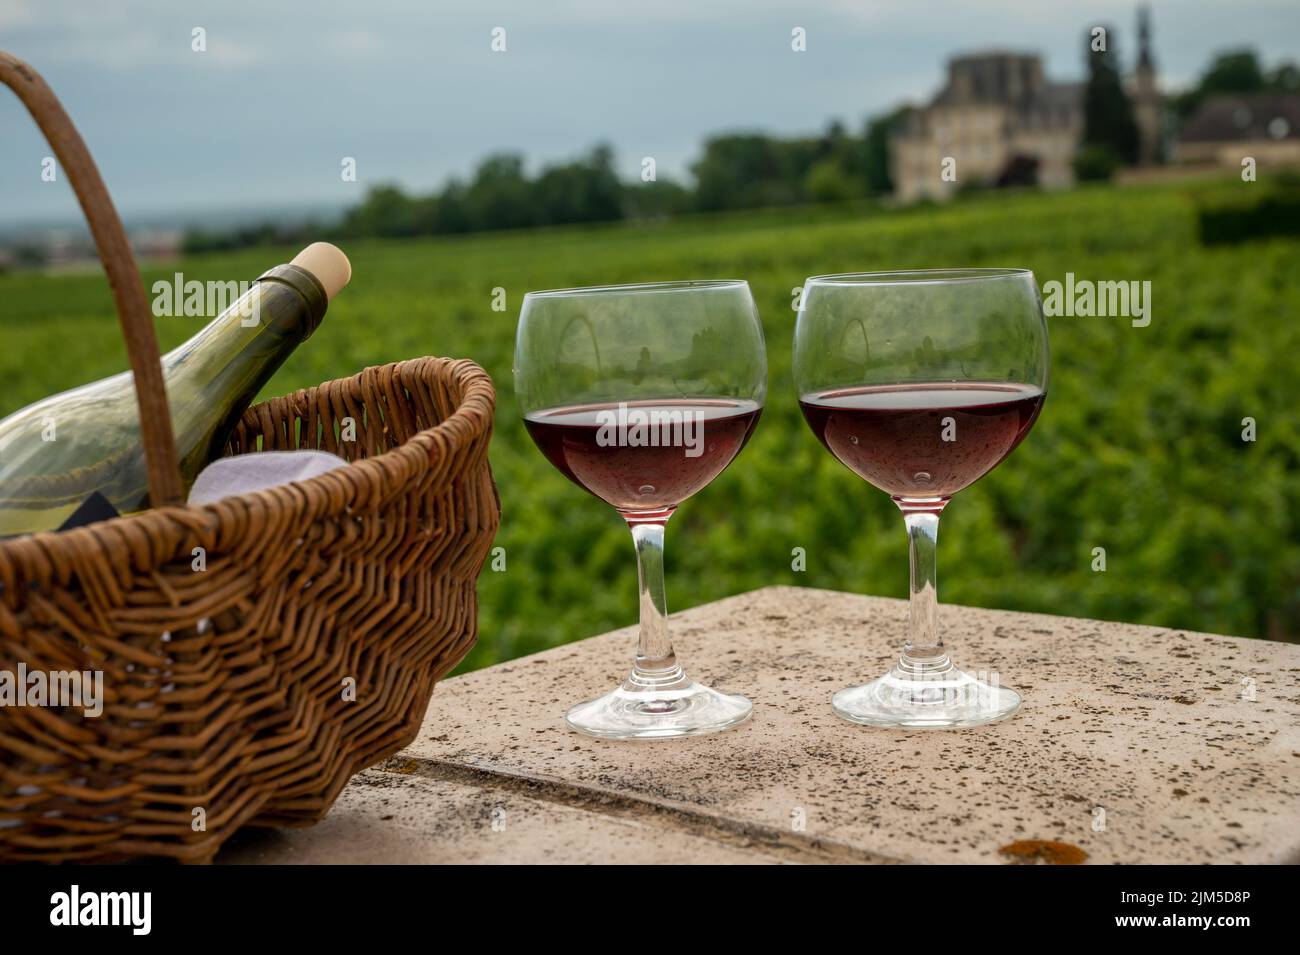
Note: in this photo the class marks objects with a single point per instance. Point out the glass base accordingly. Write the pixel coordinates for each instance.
(661, 705)
(933, 696)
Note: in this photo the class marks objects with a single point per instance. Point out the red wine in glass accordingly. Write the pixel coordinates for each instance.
(641, 395)
(922, 382)
(926, 440)
(644, 455)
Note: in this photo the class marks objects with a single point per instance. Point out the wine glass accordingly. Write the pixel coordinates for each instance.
(921, 383)
(642, 395)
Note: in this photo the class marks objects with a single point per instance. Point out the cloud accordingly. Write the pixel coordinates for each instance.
(17, 13)
(229, 52)
(353, 44)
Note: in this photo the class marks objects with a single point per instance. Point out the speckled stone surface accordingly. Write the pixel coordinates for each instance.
(1134, 744)
(400, 817)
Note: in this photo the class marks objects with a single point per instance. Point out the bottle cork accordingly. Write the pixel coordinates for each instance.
(328, 264)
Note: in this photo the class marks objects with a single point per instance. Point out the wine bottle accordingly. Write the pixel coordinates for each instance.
(62, 450)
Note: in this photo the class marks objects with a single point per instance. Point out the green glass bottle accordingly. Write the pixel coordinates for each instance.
(56, 453)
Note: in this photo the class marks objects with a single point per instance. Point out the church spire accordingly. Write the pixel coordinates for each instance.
(1147, 108)
(1144, 39)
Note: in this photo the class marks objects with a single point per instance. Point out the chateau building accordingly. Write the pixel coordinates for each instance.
(999, 120)
(1231, 126)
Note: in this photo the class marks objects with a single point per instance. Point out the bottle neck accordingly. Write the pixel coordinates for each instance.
(283, 302)
(217, 373)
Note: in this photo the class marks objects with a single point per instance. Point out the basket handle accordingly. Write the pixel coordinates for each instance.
(165, 486)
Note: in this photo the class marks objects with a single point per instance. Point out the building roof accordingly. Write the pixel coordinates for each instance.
(1061, 95)
(1015, 80)
(991, 77)
(1228, 117)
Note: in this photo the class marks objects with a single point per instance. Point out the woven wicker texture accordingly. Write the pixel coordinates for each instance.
(225, 688)
(257, 651)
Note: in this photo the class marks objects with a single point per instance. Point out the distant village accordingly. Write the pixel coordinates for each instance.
(1006, 122)
(996, 121)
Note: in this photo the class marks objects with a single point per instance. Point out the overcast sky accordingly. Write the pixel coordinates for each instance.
(415, 93)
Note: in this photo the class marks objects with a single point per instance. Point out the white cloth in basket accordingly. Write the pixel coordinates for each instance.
(258, 471)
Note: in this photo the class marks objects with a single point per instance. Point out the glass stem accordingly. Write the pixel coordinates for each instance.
(656, 664)
(924, 653)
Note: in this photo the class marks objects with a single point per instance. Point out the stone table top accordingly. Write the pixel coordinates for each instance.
(1134, 744)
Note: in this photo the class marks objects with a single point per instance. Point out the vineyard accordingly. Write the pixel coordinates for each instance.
(1138, 458)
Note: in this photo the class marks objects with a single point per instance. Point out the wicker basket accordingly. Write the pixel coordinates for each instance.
(249, 691)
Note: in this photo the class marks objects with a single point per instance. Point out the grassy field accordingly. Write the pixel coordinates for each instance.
(1138, 449)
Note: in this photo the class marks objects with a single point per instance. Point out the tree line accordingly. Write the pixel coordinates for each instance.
(734, 171)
